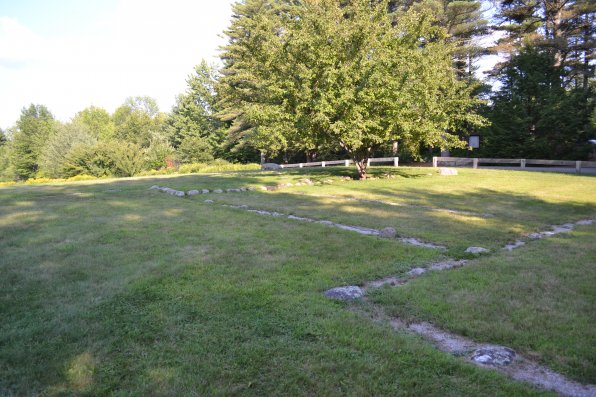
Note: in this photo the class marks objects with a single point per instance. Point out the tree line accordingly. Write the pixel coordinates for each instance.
(301, 79)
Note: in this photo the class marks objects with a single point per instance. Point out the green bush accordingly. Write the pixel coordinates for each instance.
(195, 150)
(114, 158)
(156, 154)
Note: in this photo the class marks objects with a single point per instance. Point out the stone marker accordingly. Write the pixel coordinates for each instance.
(388, 232)
(270, 167)
(447, 171)
(347, 293)
(476, 250)
(493, 355)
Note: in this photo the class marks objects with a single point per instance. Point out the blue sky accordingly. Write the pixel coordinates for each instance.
(71, 54)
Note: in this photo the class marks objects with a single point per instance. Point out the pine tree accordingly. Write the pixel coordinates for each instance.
(193, 116)
(34, 127)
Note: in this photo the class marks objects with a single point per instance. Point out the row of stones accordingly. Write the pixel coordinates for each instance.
(181, 193)
(355, 292)
(498, 357)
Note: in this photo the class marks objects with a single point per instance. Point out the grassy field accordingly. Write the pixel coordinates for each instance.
(108, 288)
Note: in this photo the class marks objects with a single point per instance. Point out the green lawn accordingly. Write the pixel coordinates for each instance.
(108, 288)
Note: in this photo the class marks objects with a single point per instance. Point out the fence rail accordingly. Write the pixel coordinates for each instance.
(523, 163)
(345, 163)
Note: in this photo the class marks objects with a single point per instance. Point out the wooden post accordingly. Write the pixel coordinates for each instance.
(523, 163)
(347, 163)
(323, 164)
(475, 163)
(435, 161)
(301, 165)
(396, 161)
(368, 163)
(578, 167)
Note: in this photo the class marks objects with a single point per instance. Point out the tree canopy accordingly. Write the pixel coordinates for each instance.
(350, 75)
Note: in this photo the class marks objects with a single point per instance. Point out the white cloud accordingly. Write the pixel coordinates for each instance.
(143, 48)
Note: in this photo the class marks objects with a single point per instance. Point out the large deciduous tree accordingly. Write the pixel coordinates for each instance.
(350, 75)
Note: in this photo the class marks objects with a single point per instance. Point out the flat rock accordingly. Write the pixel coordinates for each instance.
(193, 192)
(417, 271)
(205, 191)
(476, 250)
(493, 355)
(270, 167)
(209, 201)
(217, 191)
(154, 187)
(388, 232)
(584, 222)
(347, 293)
(179, 193)
(447, 171)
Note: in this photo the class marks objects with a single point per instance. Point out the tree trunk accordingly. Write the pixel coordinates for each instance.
(395, 148)
(361, 164)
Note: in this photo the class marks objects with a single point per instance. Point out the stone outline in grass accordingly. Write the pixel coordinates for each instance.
(553, 231)
(357, 229)
(195, 192)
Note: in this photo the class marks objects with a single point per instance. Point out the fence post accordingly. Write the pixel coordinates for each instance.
(396, 161)
(475, 163)
(347, 163)
(435, 161)
(523, 163)
(323, 164)
(301, 165)
(368, 163)
(578, 167)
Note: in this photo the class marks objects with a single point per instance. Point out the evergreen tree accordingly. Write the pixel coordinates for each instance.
(34, 127)
(533, 116)
(563, 27)
(193, 115)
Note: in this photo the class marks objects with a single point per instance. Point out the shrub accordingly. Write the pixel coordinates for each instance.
(195, 150)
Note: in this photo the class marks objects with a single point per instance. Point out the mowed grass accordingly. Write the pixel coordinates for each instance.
(539, 300)
(109, 289)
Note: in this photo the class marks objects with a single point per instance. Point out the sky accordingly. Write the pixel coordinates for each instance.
(71, 54)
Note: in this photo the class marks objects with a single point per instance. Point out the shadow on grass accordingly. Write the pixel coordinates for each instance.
(110, 287)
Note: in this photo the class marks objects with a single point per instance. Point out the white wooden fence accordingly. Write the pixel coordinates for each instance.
(475, 162)
(345, 163)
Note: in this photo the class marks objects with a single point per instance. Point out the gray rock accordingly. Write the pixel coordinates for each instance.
(217, 191)
(209, 201)
(417, 271)
(251, 188)
(447, 171)
(388, 232)
(347, 293)
(193, 192)
(178, 193)
(270, 167)
(243, 189)
(154, 187)
(263, 188)
(493, 355)
(205, 191)
(476, 250)
(584, 222)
